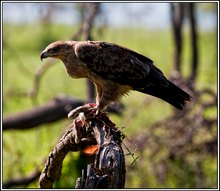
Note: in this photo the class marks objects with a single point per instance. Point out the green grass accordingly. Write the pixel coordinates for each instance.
(24, 150)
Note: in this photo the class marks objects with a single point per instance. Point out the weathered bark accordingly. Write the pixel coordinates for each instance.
(107, 170)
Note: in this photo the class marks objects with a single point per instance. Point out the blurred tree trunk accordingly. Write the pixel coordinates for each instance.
(177, 14)
(194, 37)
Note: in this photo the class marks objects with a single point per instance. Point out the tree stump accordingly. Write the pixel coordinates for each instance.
(107, 169)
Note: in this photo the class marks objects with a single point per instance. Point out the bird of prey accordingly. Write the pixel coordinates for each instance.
(114, 70)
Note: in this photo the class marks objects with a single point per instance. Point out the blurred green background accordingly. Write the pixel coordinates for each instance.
(23, 40)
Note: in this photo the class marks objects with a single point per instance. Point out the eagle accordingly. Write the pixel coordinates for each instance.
(114, 70)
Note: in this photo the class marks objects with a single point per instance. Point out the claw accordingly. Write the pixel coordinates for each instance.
(96, 108)
(74, 113)
(86, 109)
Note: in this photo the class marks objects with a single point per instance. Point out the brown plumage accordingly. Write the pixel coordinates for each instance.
(114, 70)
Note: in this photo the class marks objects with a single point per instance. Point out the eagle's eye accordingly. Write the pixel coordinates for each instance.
(55, 49)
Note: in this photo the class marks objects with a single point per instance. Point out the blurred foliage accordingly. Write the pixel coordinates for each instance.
(23, 151)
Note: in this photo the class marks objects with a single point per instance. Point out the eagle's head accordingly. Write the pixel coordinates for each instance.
(58, 49)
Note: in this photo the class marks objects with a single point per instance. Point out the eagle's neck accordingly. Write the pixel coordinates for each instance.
(74, 66)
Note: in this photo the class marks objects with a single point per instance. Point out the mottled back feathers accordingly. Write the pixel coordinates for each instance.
(119, 64)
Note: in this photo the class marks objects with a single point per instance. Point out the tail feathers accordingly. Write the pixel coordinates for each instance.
(171, 94)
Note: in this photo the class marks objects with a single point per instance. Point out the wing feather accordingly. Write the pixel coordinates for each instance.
(119, 64)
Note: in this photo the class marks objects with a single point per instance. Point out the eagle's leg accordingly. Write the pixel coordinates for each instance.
(87, 107)
(99, 107)
(102, 101)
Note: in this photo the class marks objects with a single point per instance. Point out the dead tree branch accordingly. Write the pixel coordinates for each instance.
(54, 110)
(108, 168)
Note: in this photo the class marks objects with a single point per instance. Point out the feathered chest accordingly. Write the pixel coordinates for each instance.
(74, 67)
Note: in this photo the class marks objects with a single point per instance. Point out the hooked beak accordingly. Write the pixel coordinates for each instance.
(43, 55)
